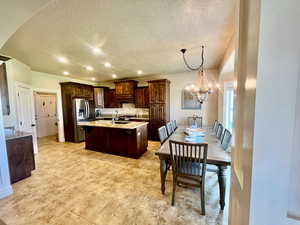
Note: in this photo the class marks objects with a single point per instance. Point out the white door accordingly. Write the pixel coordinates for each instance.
(46, 114)
(25, 114)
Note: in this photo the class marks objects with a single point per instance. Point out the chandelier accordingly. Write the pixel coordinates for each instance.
(202, 88)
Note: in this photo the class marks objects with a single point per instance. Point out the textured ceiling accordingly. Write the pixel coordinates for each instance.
(133, 35)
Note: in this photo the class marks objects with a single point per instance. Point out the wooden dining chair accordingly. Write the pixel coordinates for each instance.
(220, 131)
(226, 139)
(162, 133)
(174, 125)
(215, 126)
(169, 128)
(195, 121)
(189, 167)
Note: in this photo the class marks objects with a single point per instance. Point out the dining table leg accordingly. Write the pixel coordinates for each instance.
(163, 174)
(222, 184)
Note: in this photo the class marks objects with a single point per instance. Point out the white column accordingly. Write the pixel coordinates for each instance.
(5, 186)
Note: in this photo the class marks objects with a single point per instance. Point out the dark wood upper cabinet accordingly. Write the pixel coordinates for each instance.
(158, 91)
(99, 96)
(110, 99)
(4, 90)
(142, 97)
(125, 90)
(159, 106)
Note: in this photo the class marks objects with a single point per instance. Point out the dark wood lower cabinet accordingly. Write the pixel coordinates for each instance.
(20, 158)
(118, 141)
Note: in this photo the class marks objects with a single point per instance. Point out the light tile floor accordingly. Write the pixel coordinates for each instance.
(73, 186)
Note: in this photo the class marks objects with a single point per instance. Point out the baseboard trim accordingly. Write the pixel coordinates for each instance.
(6, 191)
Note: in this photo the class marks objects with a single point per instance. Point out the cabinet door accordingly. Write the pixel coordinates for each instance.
(157, 92)
(157, 113)
(20, 158)
(99, 97)
(152, 93)
(139, 97)
(110, 99)
(4, 90)
(161, 95)
(146, 97)
(119, 89)
(142, 97)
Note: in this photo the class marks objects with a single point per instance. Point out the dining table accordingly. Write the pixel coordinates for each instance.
(216, 156)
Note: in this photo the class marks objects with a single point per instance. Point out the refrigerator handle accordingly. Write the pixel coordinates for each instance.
(88, 111)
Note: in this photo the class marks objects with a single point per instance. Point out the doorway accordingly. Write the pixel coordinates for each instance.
(46, 114)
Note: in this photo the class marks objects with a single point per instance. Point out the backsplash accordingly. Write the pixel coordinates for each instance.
(127, 109)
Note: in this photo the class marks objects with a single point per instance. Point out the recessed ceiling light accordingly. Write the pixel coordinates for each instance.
(97, 50)
(107, 64)
(89, 68)
(93, 78)
(139, 72)
(114, 76)
(63, 59)
(66, 73)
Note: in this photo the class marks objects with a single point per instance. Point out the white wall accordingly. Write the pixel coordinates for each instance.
(294, 184)
(178, 82)
(276, 98)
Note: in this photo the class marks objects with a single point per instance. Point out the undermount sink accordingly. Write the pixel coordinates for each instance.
(122, 122)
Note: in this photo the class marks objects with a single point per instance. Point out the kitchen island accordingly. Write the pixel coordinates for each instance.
(122, 138)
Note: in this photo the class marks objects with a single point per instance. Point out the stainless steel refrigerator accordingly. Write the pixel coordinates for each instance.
(83, 110)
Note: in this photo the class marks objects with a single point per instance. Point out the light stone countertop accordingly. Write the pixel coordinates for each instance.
(17, 134)
(129, 118)
(109, 124)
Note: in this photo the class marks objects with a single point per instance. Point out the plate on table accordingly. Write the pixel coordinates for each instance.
(195, 132)
(193, 139)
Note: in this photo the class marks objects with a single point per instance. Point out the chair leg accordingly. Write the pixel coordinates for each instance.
(174, 190)
(202, 196)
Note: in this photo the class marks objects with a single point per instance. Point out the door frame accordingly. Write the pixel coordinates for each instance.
(60, 122)
(34, 132)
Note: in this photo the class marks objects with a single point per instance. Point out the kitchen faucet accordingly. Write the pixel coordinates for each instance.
(114, 117)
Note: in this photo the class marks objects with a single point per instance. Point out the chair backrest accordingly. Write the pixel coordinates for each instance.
(169, 128)
(215, 127)
(195, 121)
(220, 131)
(174, 126)
(226, 139)
(162, 133)
(188, 159)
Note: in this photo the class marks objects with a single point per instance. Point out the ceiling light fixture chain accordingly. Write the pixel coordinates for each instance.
(190, 67)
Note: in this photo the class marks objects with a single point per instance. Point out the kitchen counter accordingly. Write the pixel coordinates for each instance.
(129, 140)
(127, 118)
(109, 124)
(17, 134)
